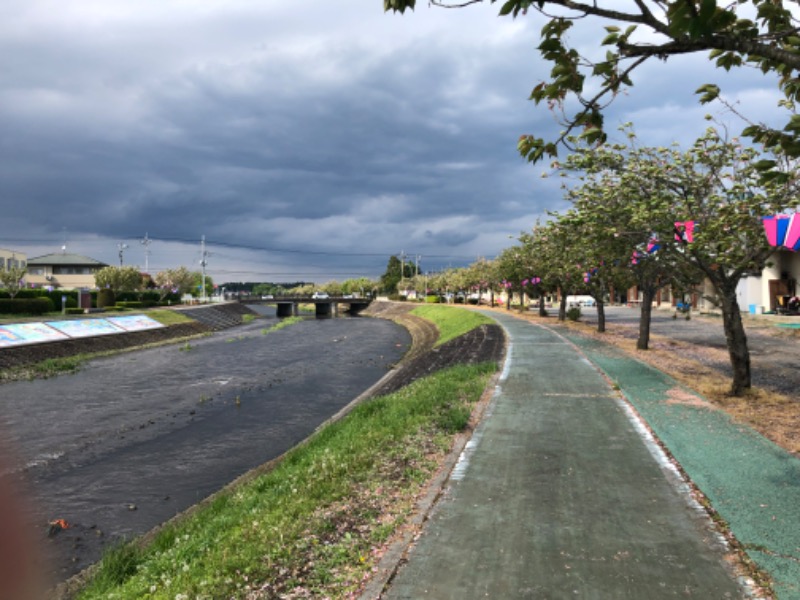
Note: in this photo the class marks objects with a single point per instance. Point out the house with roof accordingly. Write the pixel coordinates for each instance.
(10, 259)
(64, 271)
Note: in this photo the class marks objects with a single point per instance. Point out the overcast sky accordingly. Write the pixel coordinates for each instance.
(305, 139)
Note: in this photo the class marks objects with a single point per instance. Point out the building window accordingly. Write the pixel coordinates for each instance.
(36, 270)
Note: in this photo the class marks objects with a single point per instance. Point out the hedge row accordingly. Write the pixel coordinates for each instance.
(31, 306)
(147, 299)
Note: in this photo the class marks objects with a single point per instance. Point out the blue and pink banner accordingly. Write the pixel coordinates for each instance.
(783, 230)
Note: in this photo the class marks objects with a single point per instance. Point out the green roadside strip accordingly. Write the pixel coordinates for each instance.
(308, 526)
(753, 484)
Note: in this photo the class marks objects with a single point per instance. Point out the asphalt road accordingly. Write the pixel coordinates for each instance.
(133, 439)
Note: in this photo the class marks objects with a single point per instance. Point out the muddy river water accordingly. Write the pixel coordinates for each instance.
(133, 439)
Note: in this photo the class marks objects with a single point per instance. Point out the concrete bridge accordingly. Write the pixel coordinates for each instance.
(288, 306)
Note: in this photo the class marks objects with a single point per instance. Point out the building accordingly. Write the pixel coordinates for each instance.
(770, 289)
(11, 259)
(64, 271)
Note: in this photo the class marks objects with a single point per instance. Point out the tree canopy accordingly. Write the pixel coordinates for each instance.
(11, 279)
(119, 279)
(762, 34)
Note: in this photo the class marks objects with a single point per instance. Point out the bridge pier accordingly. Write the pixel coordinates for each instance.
(323, 309)
(286, 309)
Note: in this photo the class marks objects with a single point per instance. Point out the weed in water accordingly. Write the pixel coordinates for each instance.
(283, 323)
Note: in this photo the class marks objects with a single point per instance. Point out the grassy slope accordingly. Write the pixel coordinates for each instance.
(451, 321)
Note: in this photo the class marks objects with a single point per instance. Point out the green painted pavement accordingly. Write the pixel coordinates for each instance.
(751, 482)
(560, 497)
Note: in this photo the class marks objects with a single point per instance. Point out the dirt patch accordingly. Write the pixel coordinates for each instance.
(680, 396)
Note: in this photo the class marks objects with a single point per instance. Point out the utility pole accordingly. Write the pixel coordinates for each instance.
(146, 243)
(122, 247)
(203, 263)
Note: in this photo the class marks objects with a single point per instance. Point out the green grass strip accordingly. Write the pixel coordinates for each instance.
(282, 323)
(168, 317)
(451, 322)
(308, 527)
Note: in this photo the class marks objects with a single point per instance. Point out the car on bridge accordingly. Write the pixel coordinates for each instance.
(320, 296)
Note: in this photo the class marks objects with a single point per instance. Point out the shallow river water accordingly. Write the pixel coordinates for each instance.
(132, 440)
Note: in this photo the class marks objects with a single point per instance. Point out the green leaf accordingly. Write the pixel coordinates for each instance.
(709, 92)
(508, 7)
(765, 165)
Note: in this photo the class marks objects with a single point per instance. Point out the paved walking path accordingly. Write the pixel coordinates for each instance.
(560, 495)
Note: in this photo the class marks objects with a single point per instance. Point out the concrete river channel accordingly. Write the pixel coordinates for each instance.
(133, 439)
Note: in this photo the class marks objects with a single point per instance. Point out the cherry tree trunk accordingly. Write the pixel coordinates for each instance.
(736, 339)
(644, 320)
(601, 316)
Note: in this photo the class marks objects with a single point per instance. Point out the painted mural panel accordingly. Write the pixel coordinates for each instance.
(20, 334)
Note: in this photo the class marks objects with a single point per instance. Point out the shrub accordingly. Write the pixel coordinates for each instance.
(31, 306)
(129, 304)
(105, 297)
(74, 311)
(432, 299)
(574, 313)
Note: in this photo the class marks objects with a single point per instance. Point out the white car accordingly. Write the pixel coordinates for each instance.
(320, 296)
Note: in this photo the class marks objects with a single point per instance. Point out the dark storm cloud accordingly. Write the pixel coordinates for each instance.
(335, 130)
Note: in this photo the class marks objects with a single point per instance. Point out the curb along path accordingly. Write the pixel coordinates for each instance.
(561, 498)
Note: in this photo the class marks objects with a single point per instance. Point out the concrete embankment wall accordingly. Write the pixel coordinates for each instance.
(205, 319)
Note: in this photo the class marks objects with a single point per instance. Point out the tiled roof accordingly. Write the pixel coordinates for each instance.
(72, 260)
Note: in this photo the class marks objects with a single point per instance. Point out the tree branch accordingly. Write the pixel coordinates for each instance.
(716, 42)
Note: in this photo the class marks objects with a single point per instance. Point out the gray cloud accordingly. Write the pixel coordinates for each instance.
(313, 140)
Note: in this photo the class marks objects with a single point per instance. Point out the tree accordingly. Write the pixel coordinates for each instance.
(332, 288)
(360, 285)
(174, 281)
(606, 260)
(717, 187)
(197, 284)
(11, 279)
(755, 33)
(392, 276)
(119, 279)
